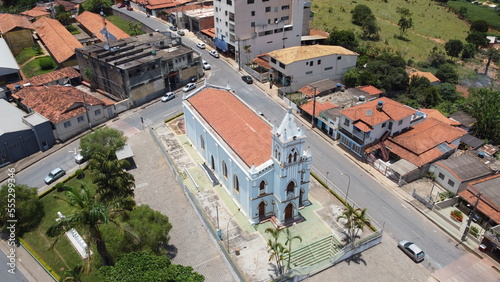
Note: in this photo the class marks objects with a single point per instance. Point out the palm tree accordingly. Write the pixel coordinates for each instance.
(87, 216)
(348, 214)
(72, 274)
(288, 242)
(111, 178)
(360, 220)
(277, 252)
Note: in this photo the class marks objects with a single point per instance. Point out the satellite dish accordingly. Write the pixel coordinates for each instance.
(106, 47)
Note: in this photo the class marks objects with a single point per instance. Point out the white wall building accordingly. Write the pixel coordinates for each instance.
(298, 66)
(265, 169)
(263, 25)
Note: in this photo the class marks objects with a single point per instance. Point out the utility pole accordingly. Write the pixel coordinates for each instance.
(464, 236)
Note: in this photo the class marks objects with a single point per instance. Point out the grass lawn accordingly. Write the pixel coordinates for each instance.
(433, 25)
(477, 12)
(33, 68)
(63, 256)
(124, 25)
(25, 55)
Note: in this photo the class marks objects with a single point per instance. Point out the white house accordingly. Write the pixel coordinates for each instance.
(265, 169)
(301, 65)
(70, 110)
(262, 25)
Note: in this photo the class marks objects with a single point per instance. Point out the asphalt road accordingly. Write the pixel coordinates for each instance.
(399, 220)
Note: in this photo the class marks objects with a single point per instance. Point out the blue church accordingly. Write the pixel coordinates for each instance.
(263, 167)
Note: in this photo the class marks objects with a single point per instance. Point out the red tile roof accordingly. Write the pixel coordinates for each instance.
(43, 79)
(261, 62)
(56, 103)
(58, 40)
(427, 75)
(159, 4)
(308, 107)
(427, 134)
(35, 12)
(9, 22)
(432, 113)
(369, 114)
(95, 23)
(244, 131)
(371, 90)
(68, 6)
(489, 202)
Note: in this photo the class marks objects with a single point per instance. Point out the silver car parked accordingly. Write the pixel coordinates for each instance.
(412, 250)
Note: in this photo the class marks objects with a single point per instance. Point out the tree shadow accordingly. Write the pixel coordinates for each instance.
(274, 268)
(357, 259)
(171, 251)
(402, 38)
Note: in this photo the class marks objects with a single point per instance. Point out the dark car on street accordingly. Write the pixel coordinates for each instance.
(248, 79)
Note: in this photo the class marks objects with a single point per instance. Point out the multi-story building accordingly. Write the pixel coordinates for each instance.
(255, 27)
(139, 68)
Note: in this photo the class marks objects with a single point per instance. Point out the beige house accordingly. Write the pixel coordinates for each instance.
(17, 32)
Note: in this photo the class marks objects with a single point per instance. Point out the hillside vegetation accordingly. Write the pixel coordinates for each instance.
(433, 25)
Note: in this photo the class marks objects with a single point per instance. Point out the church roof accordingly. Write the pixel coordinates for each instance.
(245, 132)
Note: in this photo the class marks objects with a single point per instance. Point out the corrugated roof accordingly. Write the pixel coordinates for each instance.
(8, 63)
(95, 24)
(369, 114)
(57, 103)
(465, 167)
(15, 116)
(9, 22)
(489, 203)
(300, 53)
(244, 131)
(58, 40)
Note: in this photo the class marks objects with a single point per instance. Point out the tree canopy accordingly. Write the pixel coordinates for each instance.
(23, 206)
(447, 73)
(148, 267)
(97, 5)
(405, 22)
(483, 104)
(479, 26)
(478, 39)
(360, 14)
(103, 140)
(344, 38)
(453, 47)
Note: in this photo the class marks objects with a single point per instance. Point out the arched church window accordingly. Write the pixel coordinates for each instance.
(289, 158)
(291, 187)
(224, 169)
(202, 142)
(236, 183)
(262, 187)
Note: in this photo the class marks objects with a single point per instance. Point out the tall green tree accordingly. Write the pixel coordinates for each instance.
(453, 47)
(447, 73)
(468, 51)
(478, 39)
(112, 179)
(96, 5)
(148, 267)
(484, 104)
(289, 239)
(355, 220)
(370, 28)
(20, 202)
(87, 216)
(360, 14)
(344, 38)
(479, 26)
(103, 140)
(405, 22)
(62, 16)
(277, 251)
(493, 55)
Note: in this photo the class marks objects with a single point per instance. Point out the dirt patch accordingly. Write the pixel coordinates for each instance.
(177, 125)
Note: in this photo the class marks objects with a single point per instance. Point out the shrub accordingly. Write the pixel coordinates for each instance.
(79, 174)
(59, 187)
(474, 231)
(37, 49)
(46, 63)
(446, 195)
(457, 214)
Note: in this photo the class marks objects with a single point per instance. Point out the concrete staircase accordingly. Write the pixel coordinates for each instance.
(315, 252)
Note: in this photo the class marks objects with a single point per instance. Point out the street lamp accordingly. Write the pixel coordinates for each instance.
(348, 185)
(227, 229)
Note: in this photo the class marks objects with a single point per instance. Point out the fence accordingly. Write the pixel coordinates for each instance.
(427, 201)
(199, 211)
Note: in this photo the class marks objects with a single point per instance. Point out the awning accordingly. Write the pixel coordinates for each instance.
(221, 44)
(124, 153)
(403, 167)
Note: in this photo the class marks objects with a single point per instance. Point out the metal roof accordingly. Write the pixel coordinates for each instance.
(124, 153)
(466, 167)
(15, 116)
(8, 64)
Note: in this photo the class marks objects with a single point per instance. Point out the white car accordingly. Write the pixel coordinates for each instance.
(168, 96)
(54, 175)
(206, 65)
(214, 53)
(189, 87)
(414, 252)
(200, 45)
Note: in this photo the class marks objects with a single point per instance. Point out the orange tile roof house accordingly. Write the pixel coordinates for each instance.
(432, 78)
(264, 168)
(93, 24)
(17, 32)
(372, 91)
(60, 43)
(488, 206)
(67, 75)
(64, 106)
(35, 13)
(309, 107)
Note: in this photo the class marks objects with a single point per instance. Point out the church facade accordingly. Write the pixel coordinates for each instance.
(264, 168)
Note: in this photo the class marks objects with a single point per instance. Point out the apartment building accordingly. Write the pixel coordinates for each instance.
(256, 27)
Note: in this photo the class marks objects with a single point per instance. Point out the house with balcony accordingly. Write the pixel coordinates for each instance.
(264, 168)
(374, 121)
